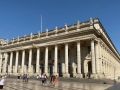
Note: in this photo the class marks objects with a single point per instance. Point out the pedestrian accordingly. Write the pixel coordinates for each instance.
(87, 75)
(18, 77)
(9, 75)
(2, 83)
(37, 77)
(56, 81)
(51, 79)
(27, 77)
(43, 80)
(23, 77)
(1, 75)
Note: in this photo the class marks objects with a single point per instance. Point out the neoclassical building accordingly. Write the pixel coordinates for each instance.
(70, 51)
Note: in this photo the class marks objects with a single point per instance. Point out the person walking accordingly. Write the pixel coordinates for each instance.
(23, 77)
(1, 75)
(2, 83)
(18, 77)
(51, 79)
(56, 81)
(9, 75)
(43, 79)
(37, 77)
(27, 77)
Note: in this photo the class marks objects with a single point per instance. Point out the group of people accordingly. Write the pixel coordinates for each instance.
(54, 80)
(43, 78)
(25, 77)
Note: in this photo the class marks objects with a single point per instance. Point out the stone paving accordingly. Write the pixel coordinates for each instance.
(13, 84)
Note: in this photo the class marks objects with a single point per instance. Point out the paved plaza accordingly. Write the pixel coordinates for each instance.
(13, 84)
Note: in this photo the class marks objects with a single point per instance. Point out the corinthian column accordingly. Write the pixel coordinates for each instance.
(93, 59)
(100, 58)
(23, 62)
(30, 60)
(97, 58)
(16, 62)
(46, 60)
(11, 60)
(66, 61)
(0, 62)
(56, 60)
(37, 61)
(79, 75)
(5, 64)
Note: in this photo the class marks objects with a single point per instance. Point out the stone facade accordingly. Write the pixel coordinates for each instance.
(71, 51)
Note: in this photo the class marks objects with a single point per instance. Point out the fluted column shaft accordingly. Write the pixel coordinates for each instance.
(56, 58)
(38, 60)
(0, 62)
(5, 64)
(100, 58)
(30, 60)
(16, 62)
(46, 60)
(78, 58)
(93, 56)
(11, 60)
(66, 58)
(97, 58)
(23, 61)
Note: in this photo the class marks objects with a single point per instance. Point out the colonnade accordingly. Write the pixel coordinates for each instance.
(108, 63)
(102, 61)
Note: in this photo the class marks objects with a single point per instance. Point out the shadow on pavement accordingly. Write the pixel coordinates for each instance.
(114, 87)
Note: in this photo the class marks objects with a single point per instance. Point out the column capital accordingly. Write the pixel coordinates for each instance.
(77, 41)
(66, 42)
(92, 39)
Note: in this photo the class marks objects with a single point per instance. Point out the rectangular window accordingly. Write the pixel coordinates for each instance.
(89, 49)
(34, 56)
(41, 55)
(58, 53)
(49, 54)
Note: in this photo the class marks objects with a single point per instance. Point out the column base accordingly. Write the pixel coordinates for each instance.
(56, 74)
(94, 76)
(79, 76)
(66, 75)
(73, 74)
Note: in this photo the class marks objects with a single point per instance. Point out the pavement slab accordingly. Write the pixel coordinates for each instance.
(14, 84)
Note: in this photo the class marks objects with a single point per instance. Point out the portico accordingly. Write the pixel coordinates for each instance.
(72, 51)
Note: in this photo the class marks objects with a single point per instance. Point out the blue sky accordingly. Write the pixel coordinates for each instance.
(21, 17)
